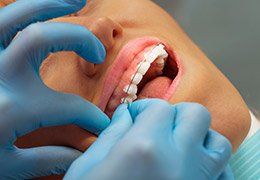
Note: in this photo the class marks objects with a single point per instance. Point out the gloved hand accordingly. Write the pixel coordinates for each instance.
(151, 139)
(26, 104)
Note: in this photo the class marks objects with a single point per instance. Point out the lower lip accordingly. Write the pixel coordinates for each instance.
(123, 61)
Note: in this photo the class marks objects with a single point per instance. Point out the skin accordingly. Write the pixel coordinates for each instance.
(115, 23)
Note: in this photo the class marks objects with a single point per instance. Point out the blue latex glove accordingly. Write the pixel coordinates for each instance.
(151, 139)
(227, 174)
(26, 104)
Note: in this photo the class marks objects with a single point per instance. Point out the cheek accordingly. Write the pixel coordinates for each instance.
(62, 72)
(79, 20)
(69, 135)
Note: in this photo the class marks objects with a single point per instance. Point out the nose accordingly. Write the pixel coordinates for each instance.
(107, 31)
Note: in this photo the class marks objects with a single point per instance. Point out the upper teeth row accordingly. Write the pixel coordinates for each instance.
(158, 53)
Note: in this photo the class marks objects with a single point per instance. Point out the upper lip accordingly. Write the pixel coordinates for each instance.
(121, 63)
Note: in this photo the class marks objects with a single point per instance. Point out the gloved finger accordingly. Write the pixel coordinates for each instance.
(191, 124)
(219, 148)
(227, 174)
(33, 45)
(121, 123)
(58, 109)
(20, 14)
(152, 115)
(36, 162)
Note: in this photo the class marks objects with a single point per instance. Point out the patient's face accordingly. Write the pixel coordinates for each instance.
(128, 29)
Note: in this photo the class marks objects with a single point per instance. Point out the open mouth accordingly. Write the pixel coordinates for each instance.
(145, 68)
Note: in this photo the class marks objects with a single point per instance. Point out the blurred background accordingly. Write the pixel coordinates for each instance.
(228, 31)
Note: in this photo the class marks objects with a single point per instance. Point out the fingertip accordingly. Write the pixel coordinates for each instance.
(98, 116)
(88, 116)
(95, 51)
(218, 145)
(102, 53)
(120, 113)
(226, 149)
(121, 107)
(103, 124)
(139, 106)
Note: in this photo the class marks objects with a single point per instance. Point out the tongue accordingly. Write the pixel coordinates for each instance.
(156, 88)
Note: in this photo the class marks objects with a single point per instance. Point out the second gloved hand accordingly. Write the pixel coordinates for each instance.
(151, 139)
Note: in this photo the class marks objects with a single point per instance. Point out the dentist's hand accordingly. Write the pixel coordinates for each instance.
(26, 104)
(151, 139)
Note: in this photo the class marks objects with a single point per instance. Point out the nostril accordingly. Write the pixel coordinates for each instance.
(115, 33)
(107, 30)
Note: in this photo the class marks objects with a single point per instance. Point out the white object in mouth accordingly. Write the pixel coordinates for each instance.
(159, 53)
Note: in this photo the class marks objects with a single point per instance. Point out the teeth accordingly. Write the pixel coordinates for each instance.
(150, 57)
(161, 51)
(137, 78)
(134, 97)
(143, 67)
(159, 54)
(160, 62)
(158, 51)
(128, 99)
(131, 89)
(163, 54)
